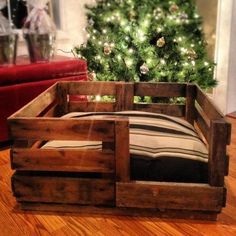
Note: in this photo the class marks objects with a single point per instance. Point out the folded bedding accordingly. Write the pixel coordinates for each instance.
(162, 147)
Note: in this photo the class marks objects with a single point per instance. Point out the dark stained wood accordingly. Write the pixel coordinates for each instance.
(203, 123)
(217, 152)
(114, 134)
(168, 109)
(114, 212)
(62, 98)
(122, 155)
(63, 160)
(91, 88)
(207, 105)
(160, 89)
(124, 96)
(54, 129)
(92, 106)
(36, 106)
(169, 196)
(190, 112)
(50, 189)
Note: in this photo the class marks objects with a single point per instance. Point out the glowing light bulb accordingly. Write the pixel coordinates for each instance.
(193, 63)
(104, 31)
(131, 50)
(129, 62)
(99, 43)
(206, 63)
(98, 98)
(163, 62)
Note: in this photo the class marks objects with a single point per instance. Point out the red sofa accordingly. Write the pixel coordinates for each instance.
(20, 84)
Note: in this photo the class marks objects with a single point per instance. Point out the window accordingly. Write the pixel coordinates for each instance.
(19, 11)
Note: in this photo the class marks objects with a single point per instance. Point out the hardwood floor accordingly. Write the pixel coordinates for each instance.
(13, 222)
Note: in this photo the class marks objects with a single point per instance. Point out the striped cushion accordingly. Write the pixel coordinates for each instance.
(162, 147)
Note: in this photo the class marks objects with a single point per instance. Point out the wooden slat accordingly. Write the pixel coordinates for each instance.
(62, 91)
(207, 105)
(169, 196)
(153, 214)
(63, 160)
(124, 96)
(62, 129)
(217, 152)
(51, 189)
(91, 88)
(190, 112)
(160, 89)
(39, 104)
(91, 106)
(122, 156)
(168, 109)
(203, 124)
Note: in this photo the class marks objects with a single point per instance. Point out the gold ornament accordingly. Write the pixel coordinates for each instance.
(107, 50)
(191, 54)
(161, 42)
(173, 8)
(92, 76)
(144, 69)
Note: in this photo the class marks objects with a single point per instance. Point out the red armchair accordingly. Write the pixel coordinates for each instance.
(20, 84)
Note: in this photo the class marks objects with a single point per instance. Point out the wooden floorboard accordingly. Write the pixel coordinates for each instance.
(14, 222)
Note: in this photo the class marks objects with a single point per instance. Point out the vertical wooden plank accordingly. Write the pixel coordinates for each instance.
(217, 152)
(62, 96)
(122, 157)
(190, 111)
(124, 96)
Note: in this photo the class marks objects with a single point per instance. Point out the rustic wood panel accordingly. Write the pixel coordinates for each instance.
(217, 152)
(168, 109)
(207, 105)
(39, 104)
(124, 96)
(190, 112)
(160, 89)
(63, 160)
(91, 88)
(128, 212)
(169, 196)
(63, 190)
(203, 124)
(92, 106)
(122, 155)
(62, 98)
(62, 129)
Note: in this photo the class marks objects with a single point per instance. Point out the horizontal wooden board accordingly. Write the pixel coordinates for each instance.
(91, 106)
(169, 196)
(160, 89)
(62, 129)
(63, 160)
(39, 104)
(69, 190)
(207, 105)
(91, 88)
(117, 211)
(203, 123)
(168, 109)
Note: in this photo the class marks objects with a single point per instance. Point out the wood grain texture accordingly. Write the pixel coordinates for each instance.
(169, 196)
(160, 89)
(63, 160)
(15, 222)
(54, 129)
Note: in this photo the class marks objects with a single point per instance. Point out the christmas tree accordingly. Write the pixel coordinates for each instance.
(148, 40)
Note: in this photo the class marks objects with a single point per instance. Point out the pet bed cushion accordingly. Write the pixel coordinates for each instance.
(162, 148)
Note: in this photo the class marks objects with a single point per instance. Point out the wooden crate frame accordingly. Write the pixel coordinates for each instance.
(50, 179)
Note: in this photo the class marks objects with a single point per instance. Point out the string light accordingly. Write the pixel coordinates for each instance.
(206, 63)
(98, 98)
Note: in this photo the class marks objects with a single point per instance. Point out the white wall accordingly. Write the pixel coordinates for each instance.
(73, 23)
(225, 93)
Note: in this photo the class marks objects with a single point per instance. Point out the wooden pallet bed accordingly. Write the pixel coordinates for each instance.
(100, 181)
